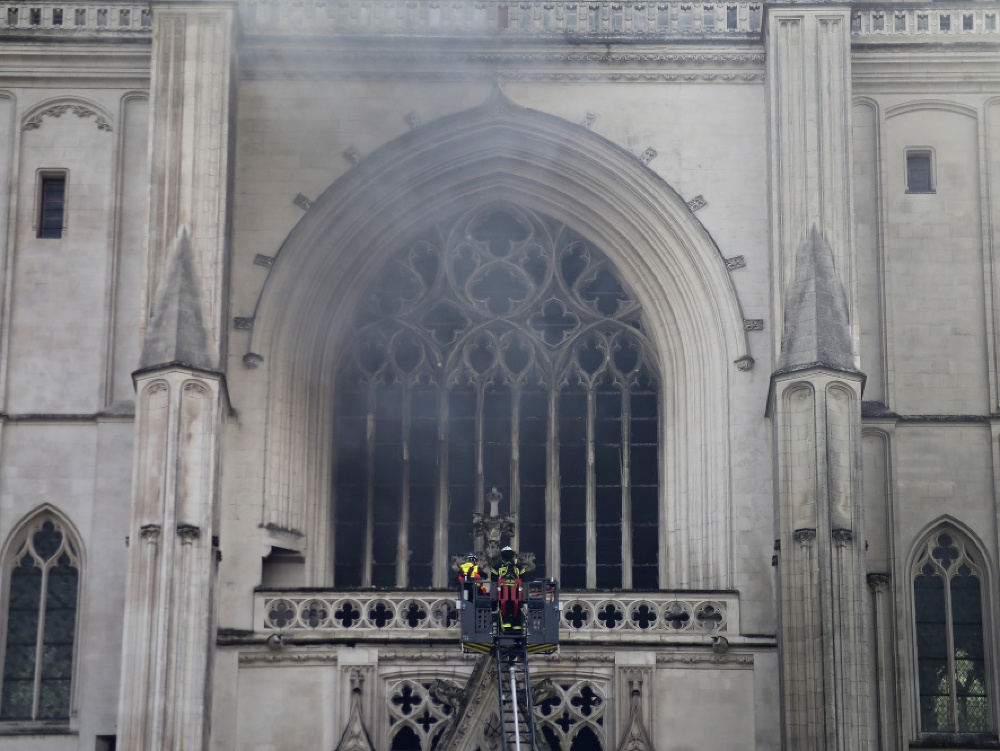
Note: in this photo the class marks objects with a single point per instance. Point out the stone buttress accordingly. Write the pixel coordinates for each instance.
(169, 627)
(815, 396)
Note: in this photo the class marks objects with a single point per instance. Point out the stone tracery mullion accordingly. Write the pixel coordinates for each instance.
(497, 303)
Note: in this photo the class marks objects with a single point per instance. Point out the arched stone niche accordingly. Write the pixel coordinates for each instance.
(501, 152)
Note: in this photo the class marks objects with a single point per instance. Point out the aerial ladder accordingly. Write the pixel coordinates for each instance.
(529, 624)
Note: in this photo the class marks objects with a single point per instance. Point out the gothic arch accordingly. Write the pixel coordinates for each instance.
(502, 152)
(63, 552)
(984, 569)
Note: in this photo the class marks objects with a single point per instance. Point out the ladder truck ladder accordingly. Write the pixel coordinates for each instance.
(517, 726)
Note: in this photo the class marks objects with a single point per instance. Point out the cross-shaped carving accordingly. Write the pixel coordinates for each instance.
(406, 700)
(426, 720)
(347, 615)
(676, 617)
(565, 722)
(577, 616)
(282, 614)
(587, 701)
(414, 615)
(380, 615)
(644, 616)
(610, 615)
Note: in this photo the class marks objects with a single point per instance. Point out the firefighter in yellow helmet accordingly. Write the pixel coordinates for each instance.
(469, 576)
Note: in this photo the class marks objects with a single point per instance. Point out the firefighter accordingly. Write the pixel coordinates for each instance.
(469, 576)
(509, 592)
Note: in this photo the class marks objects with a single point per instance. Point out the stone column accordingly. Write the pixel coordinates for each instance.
(169, 629)
(815, 399)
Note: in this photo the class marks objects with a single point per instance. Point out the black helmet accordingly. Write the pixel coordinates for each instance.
(507, 553)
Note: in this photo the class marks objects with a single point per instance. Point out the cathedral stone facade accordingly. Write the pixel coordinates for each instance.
(701, 293)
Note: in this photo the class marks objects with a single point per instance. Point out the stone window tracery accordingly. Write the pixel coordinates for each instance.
(499, 349)
(417, 718)
(572, 719)
(951, 659)
(42, 586)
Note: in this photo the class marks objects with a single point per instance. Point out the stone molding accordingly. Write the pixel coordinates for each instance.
(891, 22)
(82, 108)
(422, 615)
(526, 18)
(114, 19)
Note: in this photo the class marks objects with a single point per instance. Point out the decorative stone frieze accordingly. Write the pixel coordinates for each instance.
(531, 18)
(880, 23)
(424, 615)
(34, 120)
(77, 19)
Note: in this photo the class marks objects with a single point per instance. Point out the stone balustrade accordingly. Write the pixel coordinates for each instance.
(76, 18)
(417, 615)
(904, 23)
(526, 18)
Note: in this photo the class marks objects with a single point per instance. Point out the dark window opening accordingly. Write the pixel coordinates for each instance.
(41, 626)
(52, 209)
(57, 16)
(951, 659)
(919, 178)
(499, 350)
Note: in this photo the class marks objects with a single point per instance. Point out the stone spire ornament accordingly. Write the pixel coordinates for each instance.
(816, 327)
(355, 736)
(176, 332)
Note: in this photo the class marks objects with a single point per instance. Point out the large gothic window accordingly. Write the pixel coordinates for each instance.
(951, 661)
(498, 350)
(42, 583)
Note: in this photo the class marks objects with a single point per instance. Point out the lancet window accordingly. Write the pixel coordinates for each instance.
(42, 586)
(499, 349)
(951, 660)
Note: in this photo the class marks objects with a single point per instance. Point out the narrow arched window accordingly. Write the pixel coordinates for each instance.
(951, 661)
(42, 587)
(499, 349)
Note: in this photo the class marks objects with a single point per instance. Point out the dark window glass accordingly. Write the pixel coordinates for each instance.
(918, 172)
(51, 214)
(497, 351)
(951, 661)
(38, 654)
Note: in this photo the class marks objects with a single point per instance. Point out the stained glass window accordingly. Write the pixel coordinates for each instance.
(951, 662)
(499, 349)
(41, 624)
